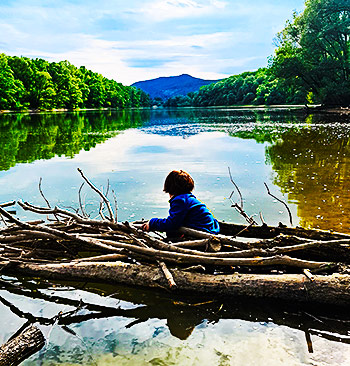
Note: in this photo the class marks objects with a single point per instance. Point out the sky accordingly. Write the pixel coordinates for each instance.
(134, 40)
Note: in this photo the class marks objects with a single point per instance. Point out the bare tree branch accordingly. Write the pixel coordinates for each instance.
(80, 201)
(239, 192)
(104, 198)
(285, 205)
(45, 199)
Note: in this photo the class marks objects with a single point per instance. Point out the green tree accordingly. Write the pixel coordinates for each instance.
(313, 51)
(67, 85)
(39, 84)
(11, 90)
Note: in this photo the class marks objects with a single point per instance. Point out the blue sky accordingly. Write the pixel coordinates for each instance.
(133, 40)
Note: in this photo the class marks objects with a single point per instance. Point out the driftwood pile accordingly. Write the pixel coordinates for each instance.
(250, 260)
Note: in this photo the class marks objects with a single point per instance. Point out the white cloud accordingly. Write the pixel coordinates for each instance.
(138, 40)
(110, 58)
(162, 10)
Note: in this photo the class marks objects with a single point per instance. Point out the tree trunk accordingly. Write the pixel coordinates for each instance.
(332, 289)
(21, 347)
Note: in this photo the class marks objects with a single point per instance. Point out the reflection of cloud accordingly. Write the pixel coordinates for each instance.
(211, 343)
(137, 174)
(123, 152)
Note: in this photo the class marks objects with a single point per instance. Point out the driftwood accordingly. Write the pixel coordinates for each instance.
(60, 242)
(330, 289)
(22, 346)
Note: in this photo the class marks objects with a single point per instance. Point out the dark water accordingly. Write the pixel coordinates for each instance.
(303, 159)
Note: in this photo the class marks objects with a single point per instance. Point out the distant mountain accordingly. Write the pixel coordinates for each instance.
(167, 87)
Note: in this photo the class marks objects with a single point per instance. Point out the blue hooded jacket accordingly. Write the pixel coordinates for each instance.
(186, 210)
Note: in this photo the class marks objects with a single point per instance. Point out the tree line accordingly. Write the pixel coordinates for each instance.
(258, 87)
(311, 64)
(38, 84)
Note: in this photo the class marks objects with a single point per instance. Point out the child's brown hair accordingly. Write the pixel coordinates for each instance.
(178, 182)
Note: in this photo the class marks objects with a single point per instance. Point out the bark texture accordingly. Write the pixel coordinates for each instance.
(21, 347)
(331, 289)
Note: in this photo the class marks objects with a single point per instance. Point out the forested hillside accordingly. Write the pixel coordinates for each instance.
(259, 87)
(39, 84)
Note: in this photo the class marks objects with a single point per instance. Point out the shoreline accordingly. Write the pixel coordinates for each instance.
(307, 108)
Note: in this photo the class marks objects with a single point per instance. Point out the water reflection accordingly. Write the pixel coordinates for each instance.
(28, 137)
(312, 166)
(308, 155)
(100, 323)
(25, 138)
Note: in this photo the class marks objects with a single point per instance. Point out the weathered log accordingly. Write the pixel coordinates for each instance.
(219, 261)
(206, 258)
(21, 347)
(266, 231)
(192, 243)
(291, 248)
(167, 252)
(107, 257)
(332, 289)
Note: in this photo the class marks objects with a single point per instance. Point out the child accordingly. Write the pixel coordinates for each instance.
(185, 209)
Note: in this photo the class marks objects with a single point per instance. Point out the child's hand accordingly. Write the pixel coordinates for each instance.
(145, 226)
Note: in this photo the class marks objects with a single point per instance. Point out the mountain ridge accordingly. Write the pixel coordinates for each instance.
(165, 87)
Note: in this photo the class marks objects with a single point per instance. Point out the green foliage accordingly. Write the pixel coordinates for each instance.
(11, 90)
(178, 101)
(259, 87)
(313, 51)
(39, 84)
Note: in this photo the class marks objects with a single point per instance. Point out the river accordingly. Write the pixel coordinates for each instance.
(303, 159)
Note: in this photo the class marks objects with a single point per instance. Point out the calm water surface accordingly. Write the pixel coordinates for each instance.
(303, 159)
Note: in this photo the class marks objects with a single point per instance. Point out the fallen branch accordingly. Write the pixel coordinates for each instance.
(21, 347)
(7, 204)
(167, 275)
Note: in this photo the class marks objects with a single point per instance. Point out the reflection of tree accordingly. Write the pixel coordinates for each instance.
(311, 156)
(312, 166)
(26, 138)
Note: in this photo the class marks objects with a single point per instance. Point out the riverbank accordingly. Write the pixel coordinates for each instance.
(309, 109)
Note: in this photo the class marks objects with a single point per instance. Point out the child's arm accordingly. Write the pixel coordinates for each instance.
(177, 213)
